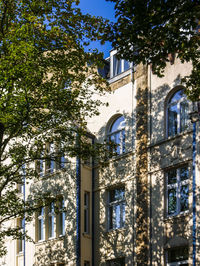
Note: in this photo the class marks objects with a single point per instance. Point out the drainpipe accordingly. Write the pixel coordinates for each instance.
(78, 204)
(150, 136)
(24, 229)
(194, 194)
(93, 207)
(195, 117)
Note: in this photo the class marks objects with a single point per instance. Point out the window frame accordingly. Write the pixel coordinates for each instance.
(111, 213)
(117, 62)
(61, 218)
(50, 163)
(86, 216)
(51, 220)
(119, 132)
(176, 263)
(20, 244)
(177, 186)
(177, 103)
(41, 224)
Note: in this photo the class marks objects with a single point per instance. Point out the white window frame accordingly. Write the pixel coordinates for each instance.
(61, 218)
(178, 104)
(122, 137)
(20, 248)
(122, 204)
(120, 61)
(177, 186)
(41, 229)
(51, 221)
(86, 216)
(62, 160)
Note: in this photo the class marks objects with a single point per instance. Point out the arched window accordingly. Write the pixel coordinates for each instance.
(116, 134)
(177, 113)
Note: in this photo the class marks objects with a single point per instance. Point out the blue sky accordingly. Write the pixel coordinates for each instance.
(99, 8)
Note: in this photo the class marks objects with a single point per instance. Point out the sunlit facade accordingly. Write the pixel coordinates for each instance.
(139, 209)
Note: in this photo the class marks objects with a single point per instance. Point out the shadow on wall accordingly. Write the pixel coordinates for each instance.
(61, 249)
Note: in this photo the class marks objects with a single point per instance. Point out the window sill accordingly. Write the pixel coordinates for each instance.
(121, 229)
(176, 216)
(166, 139)
(120, 156)
(40, 242)
(120, 76)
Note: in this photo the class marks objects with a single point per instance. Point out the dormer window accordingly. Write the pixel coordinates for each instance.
(117, 65)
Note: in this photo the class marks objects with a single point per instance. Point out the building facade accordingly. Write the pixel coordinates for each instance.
(141, 209)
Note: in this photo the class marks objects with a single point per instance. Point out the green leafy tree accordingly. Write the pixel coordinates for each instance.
(150, 31)
(44, 95)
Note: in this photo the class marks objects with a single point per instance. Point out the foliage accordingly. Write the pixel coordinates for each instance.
(150, 31)
(44, 95)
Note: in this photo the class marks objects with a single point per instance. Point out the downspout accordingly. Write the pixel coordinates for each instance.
(78, 203)
(133, 154)
(194, 194)
(150, 133)
(24, 229)
(93, 207)
(132, 126)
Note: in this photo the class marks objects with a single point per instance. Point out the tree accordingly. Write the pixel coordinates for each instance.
(150, 31)
(44, 95)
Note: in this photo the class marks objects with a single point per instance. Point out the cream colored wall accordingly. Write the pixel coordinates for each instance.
(159, 88)
(115, 243)
(165, 153)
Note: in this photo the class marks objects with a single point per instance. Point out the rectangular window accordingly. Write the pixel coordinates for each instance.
(41, 224)
(61, 218)
(87, 212)
(50, 162)
(21, 224)
(119, 66)
(40, 165)
(116, 208)
(177, 190)
(177, 256)
(62, 159)
(51, 220)
(116, 262)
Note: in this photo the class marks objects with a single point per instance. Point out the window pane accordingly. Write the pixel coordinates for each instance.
(126, 65)
(184, 198)
(178, 254)
(61, 229)
(51, 220)
(184, 118)
(110, 217)
(184, 173)
(172, 120)
(123, 214)
(118, 124)
(171, 201)
(116, 66)
(40, 235)
(116, 208)
(117, 194)
(177, 96)
(172, 177)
